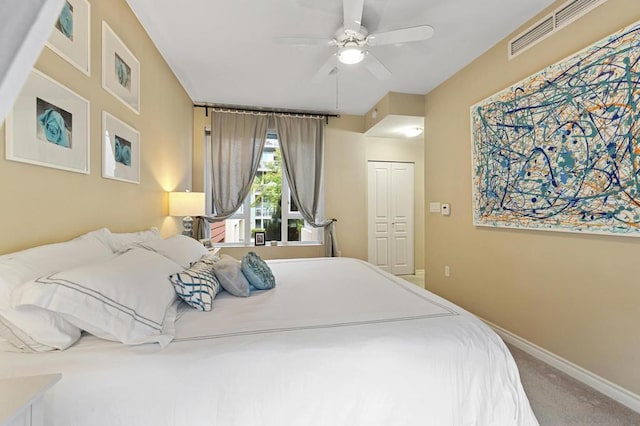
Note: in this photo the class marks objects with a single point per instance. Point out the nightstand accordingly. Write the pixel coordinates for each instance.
(22, 399)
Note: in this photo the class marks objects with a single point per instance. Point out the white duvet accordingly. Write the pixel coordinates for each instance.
(337, 342)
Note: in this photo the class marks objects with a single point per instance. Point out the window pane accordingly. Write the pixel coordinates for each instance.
(229, 231)
(293, 207)
(294, 229)
(266, 192)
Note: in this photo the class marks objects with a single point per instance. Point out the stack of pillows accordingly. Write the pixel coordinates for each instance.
(199, 284)
(119, 287)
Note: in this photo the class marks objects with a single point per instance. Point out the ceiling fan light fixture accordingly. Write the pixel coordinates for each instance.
(351, 55)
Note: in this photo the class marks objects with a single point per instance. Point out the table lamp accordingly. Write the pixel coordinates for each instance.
(186, 204)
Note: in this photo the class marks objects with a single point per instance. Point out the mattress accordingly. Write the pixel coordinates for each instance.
(337, 342)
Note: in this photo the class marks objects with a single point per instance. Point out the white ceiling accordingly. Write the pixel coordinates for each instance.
(227, 51)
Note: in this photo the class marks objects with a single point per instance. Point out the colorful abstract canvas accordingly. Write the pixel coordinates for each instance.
(560, 150)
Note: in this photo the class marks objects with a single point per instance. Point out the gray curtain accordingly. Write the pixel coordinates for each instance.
(302, 146)
(237, 139)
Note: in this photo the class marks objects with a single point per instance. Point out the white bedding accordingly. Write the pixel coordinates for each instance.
(337, 342)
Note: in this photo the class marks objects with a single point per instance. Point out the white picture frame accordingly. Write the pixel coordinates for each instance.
(120, 150)
(71, 35)
(120, 70)
(49, 126)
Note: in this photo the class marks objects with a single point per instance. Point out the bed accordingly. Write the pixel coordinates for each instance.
(336, 342)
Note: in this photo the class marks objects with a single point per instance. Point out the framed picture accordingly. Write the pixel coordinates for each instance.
(70, 37)
(49, 126)
(207, 243)
(120, 150)
(120, 70)
(558, 151)
(259, 238)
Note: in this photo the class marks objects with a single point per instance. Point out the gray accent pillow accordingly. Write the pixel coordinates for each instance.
(229, 273)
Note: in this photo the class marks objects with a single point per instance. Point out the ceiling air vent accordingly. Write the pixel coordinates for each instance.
(531, 36)
(562, 16)
(572, 10)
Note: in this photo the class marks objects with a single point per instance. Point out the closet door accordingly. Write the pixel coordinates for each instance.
(390, 216)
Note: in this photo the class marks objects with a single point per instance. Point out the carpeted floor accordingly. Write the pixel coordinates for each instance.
(556, 398)
(559, 400)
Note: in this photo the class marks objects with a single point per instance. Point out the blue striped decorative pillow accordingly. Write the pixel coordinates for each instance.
(197, 286)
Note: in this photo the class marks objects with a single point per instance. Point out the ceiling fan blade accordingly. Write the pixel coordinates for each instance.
(325, 69)
(306, 41)
(352, 12)
(404, 35)
(376, 68)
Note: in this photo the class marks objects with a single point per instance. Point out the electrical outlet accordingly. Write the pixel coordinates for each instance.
(447, 271)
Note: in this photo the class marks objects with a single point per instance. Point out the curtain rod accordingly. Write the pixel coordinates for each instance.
(258, 110)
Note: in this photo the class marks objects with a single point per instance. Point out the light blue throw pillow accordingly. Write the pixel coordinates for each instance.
(257, 272)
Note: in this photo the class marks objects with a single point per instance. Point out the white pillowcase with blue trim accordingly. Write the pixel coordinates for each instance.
(32, 329)
(120, 242)
(183, 250)
(128, 298)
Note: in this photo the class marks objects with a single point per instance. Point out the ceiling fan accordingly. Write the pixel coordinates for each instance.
(352, 40)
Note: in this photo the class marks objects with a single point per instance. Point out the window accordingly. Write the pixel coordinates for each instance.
(268, 208)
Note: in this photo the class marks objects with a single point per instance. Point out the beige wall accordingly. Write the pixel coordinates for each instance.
(347, 151)
(41, 205)
(394, 103)
(575, 295)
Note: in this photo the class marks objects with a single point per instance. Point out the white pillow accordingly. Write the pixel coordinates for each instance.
(33, 329)
(128, 298)
(120, 242)
(183, 250)
(103, 235)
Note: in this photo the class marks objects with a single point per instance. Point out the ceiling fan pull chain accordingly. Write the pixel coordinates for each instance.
(336, 87)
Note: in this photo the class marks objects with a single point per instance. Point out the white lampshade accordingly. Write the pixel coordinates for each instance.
(186, 203)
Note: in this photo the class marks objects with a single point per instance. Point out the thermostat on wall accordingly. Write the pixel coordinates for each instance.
(445, 209)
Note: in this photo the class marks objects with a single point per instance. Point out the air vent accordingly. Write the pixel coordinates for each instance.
(573, 10)
(562, 16)
(531, 36)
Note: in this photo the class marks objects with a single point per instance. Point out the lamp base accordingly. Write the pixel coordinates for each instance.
(187, 224)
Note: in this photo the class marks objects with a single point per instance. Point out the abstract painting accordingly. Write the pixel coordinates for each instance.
(560, 150)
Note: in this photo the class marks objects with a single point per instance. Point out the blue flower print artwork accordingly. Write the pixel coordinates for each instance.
(123, 72)
(53, 124)
(64, 24)
(123, 151)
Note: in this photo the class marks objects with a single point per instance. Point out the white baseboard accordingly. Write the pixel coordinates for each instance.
(600, 384)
